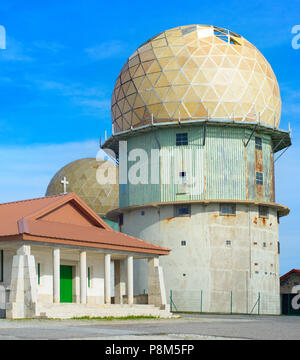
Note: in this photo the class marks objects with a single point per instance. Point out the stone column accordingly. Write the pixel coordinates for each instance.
(83, 278)
(120, 281)
(23, 288)
(130, 279)
(156, 286)
(107, 281)
(56, 275)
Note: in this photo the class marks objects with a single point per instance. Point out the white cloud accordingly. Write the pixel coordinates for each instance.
(26, 171)
(80, 95)
(98, 104)
(50, 47)
(15, 51)
(107, 50)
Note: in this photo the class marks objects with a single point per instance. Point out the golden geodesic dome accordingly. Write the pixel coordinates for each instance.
(81, 176)
(195, 72)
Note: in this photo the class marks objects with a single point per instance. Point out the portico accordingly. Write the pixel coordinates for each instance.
(58, 268)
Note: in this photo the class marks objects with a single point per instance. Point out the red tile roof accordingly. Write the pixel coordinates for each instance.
(30, 219)
(293, 271)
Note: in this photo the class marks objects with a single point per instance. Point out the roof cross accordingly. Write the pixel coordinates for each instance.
(65, 183)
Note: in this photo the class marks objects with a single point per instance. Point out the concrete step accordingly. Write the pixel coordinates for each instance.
(67, 311)
(97, 306)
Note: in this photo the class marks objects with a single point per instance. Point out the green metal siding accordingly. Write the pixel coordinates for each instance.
(224, 168)
(225, 159)
(266, 151)
(250, 166)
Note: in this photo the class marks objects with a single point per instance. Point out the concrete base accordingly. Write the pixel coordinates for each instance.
(68, 311)
(217, 263)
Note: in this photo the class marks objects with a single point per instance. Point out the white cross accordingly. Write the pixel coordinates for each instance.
(65, 183)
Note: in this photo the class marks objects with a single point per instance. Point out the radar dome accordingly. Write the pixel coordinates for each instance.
(195, 72)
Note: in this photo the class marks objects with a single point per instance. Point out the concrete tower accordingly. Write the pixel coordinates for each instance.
(208, 102)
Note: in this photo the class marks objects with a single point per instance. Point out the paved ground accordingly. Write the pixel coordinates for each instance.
(193, 327)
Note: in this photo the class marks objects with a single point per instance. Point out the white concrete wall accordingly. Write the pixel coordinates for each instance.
(95, 293)
(206, 263)
(43, 255)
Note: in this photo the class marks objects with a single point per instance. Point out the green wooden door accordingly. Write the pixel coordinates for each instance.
(66, 279)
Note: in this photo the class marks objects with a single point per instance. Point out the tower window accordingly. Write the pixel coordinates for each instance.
(182, 139)
(183, 243)
(259, 178)
(263, 211)
(258, 143)
(182, 210)
(227, 209)
(182, 177)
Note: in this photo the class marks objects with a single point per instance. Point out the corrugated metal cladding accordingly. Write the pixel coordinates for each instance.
(219, 168)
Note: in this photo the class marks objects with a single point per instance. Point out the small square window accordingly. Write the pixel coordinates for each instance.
(263, 211)
(258, 143)
(228, 243)
(182, 177)
(259, 178)
(227, 209)
(182, 139)
(183, 243)
(183, 210)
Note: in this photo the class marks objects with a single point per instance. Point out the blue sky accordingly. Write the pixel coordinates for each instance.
(62, 58)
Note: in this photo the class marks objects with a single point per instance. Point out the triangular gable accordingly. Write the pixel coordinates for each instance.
(69, 209)
(69, 213)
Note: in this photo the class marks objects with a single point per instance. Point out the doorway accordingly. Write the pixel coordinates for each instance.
(66, 284)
